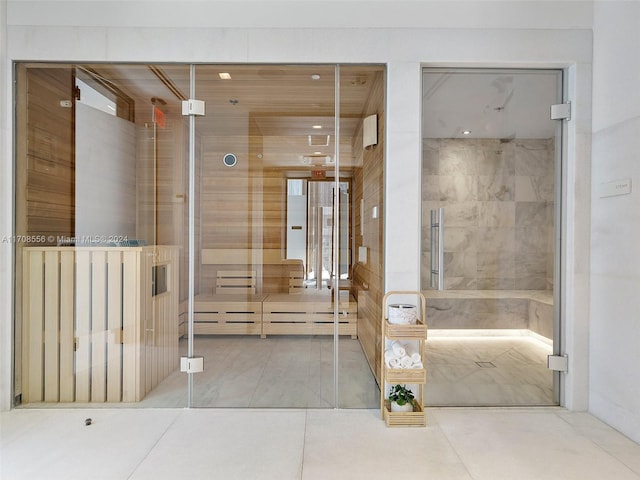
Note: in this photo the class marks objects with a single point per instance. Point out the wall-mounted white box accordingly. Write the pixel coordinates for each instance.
(370, 131)
(615, 187)
(362, 254)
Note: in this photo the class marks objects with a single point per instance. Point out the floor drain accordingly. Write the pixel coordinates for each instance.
(485, 364)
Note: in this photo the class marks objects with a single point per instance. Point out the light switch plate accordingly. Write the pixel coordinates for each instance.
(362, 254)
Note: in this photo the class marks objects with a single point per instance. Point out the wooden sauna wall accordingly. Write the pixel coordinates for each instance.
(275, 277)
(368, 278)
(45, 153)
(241, 207)
(162, 213)
(45, 167)
(225, 204)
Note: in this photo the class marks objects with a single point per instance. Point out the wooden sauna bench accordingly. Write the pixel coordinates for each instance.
(272, 314)
(307, 314)
(227, 314)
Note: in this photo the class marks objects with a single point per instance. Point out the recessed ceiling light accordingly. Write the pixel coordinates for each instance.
(224, 76)
(317, 126)
(317, 153)
(315, 76)
(466, 132)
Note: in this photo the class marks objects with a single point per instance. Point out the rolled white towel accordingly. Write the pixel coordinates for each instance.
(398, 349)
(406, 362)
(413, 352)
(390, 359)
(417, 365)
(393, 362)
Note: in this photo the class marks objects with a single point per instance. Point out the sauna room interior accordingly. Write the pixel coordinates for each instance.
(105, 194)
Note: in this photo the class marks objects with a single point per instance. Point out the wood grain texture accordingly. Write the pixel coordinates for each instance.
(368, 278)
(84, 336)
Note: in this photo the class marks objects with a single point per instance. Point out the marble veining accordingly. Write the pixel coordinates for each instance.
(519, 376)
(498, 196)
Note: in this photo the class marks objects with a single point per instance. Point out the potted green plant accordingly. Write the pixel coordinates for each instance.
(401, 399)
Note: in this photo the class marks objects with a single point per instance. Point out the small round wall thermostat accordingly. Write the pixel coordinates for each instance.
(230, 160)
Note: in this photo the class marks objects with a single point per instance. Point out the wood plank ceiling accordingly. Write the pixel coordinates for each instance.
(292, 106)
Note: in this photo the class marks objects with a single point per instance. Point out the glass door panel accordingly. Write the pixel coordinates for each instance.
(358, 272)
(99, 184)
(265, 331)
(103, 187)
(491, 160)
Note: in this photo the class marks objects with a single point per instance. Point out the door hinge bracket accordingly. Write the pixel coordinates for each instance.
(558, 363)
(192, 364)
(561, 111)
(193, 107)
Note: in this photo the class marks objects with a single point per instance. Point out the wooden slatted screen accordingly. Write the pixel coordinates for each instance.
(84, 317)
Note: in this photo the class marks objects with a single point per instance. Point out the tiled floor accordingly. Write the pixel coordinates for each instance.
(297, 372)
(279, 371)
(256, 373)
(488, 370)
(457, 443)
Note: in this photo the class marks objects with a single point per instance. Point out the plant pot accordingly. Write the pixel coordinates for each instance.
(407, 407)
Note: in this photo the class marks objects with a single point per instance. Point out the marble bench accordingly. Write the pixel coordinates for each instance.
(491, 309)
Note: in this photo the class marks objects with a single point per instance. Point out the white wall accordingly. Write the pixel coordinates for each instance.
(105, 176)
(6, 216)
(614, 390)
(461, 33)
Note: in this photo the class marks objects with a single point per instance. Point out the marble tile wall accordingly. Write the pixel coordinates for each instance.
(491, 313)
(498, 197)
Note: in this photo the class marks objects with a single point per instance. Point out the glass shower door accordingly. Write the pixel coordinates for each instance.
(491, 162)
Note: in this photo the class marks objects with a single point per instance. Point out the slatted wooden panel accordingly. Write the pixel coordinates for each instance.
(114, 327)
(228, 314)
(83, 325)
(83, 332)
(307, 315)
(242, 282)
(294, 271)
(67, 313)
(33, 327)
(132, 328)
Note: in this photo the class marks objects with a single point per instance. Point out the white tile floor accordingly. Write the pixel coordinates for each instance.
(458, 443)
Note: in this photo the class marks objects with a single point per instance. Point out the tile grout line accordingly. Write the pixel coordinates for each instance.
(464, 465)
(304, 443)
(597, 444)
(264, 369)
(155, 444)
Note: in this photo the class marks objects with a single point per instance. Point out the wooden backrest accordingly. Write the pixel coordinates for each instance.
(295, 271)
(236, 282)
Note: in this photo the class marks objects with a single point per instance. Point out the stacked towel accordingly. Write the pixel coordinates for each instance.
(397, 355)
(412, 351)
(398, 349)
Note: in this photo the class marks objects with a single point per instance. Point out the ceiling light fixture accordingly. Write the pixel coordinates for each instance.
(466, 132)
(317, 126)
(224, 76)
(315, 76)
(318, 140)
